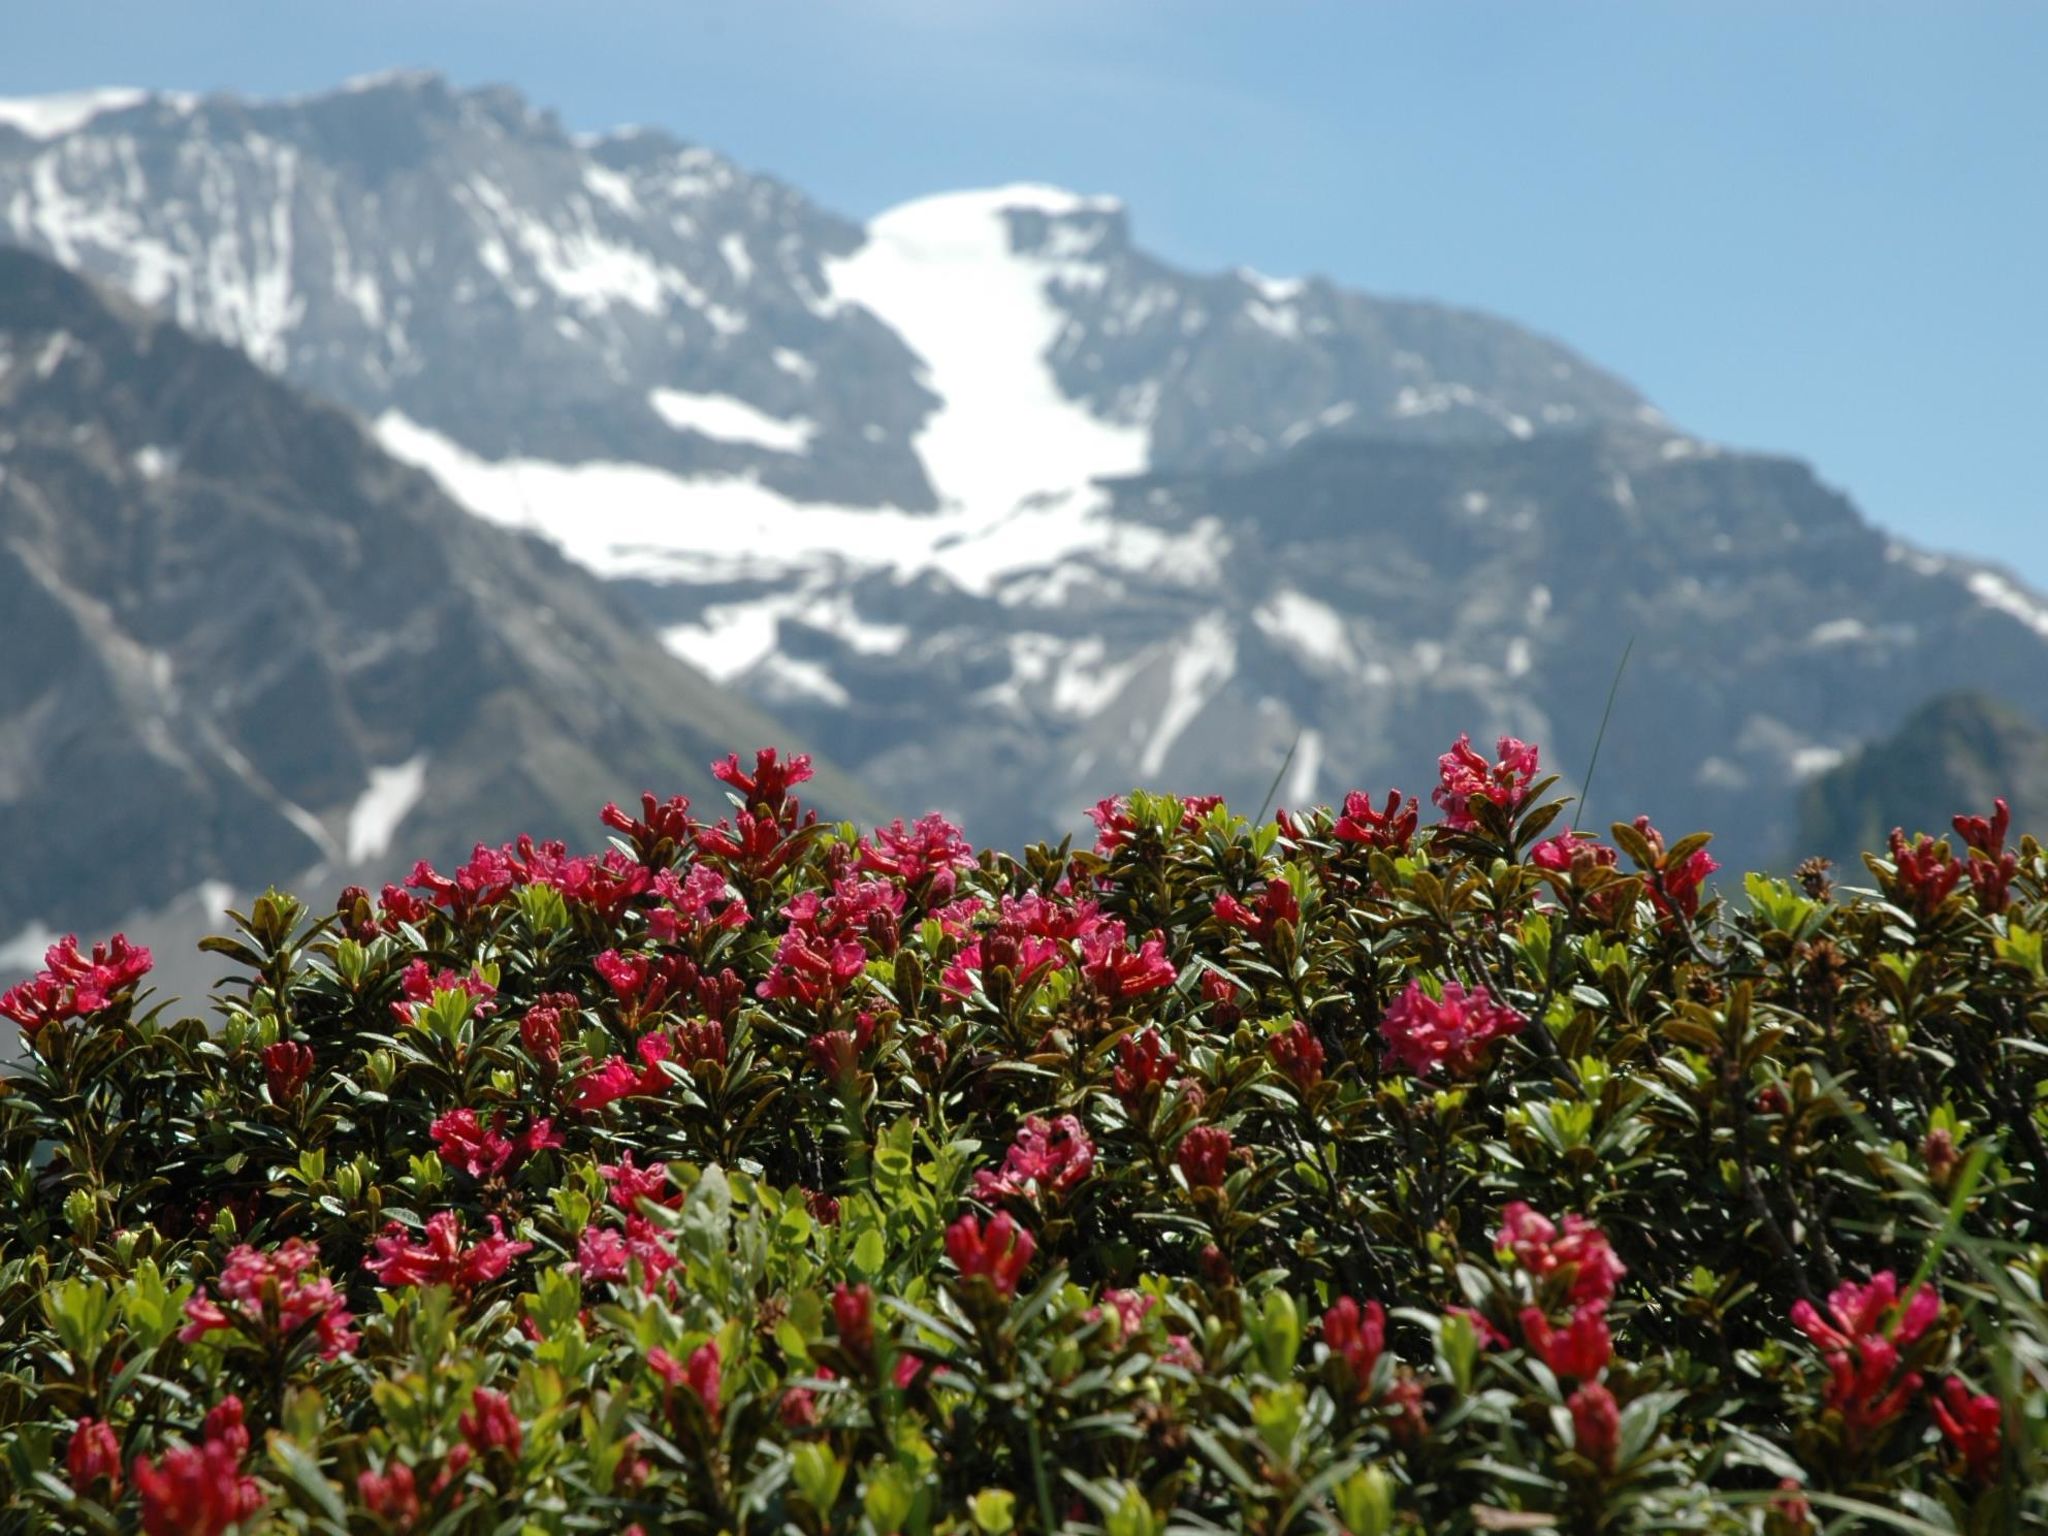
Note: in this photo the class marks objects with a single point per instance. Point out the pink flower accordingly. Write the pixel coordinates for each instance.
(1204, 1156)
(1676, 888)
(704, 900)
(1275, 905)
(72, 985)
(1115, 826)
(931, 849)
(286, 1066)
(1006, 947)
(1117, 974)
(1581, 1348)
(1424, 1033)
(486, 880)
(467, 1145)
(1129, 1308)
(420, 985)
(1596, 1424)
(1299, 1054)
(1572, 853)
(94, 1457)
(1357, 1336)
(1048, 1157)
(490, 1424)
(441, 1259)
(1144, 1065)
(1859, 1342)
(540, 1031)
(272, 1293)
(1580, 1255)
(814, 972)
(1973, 1425)
(630, 1185)
(605, 1255)
(200, 1490)
(768, 786)
(998, 1249)
(1463, 775)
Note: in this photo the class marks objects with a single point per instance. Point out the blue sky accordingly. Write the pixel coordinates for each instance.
(1814, 227)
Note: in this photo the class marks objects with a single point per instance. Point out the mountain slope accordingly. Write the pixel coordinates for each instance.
(1001, 509)
(241, 641)
(1957, 753)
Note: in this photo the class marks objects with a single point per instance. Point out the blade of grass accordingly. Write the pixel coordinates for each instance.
(1586, 790)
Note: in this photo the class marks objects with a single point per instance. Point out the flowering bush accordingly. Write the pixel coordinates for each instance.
(1340, 1173)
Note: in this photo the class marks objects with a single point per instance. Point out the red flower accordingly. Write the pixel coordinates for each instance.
(1676, 888)
(853, 1313)
(1048, 1157)
(1424, 1033)
(72, 985)
(1006, 947)
(272, 1293)
(615, 1079)
(490, 1424)
(1144, 1065)
(1926, 871)
(1204, 1156)
(1974, 1425)
(1986, 835)
(1391, 827)
(1580, 1255)
(1115, 825)
(392, 1493)
(703, 1376)
(1596, 1424)
(1297, 1052)
(661, 822)
(286, 1066)
(199, 1490)
(1357, 1336)
(837, 1052)
(1117, 974)
(768, 786)
(541, 1030)
(441, 1259)
(998, 1249)
(702, 900)
(94, 1457)
(465, 1144)
(812, 970)
(1275, 905)
(1581, 1348)
(1463, 775)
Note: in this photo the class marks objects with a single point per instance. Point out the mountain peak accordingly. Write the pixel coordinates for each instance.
(53, 116)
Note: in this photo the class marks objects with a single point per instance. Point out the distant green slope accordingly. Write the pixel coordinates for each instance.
(1958, 752)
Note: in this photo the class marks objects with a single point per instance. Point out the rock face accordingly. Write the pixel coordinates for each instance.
(1957, 753)
(1005, 512)
(241, 641)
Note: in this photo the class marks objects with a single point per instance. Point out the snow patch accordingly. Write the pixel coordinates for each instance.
(1839, 632)
(633, 520)
(731, 420)
(49, 117)
(1302, 774)
(384, 803)
(1811, 762)
(153, 463)
(1205, 660)
(1994, 591)
(786, 680)
(943, 274)
(1313, 630)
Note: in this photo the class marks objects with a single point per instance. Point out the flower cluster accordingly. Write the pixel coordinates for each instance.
(72, 985)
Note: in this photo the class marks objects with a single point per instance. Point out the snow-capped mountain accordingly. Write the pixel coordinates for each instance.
(1003, 510)
(242, 643)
